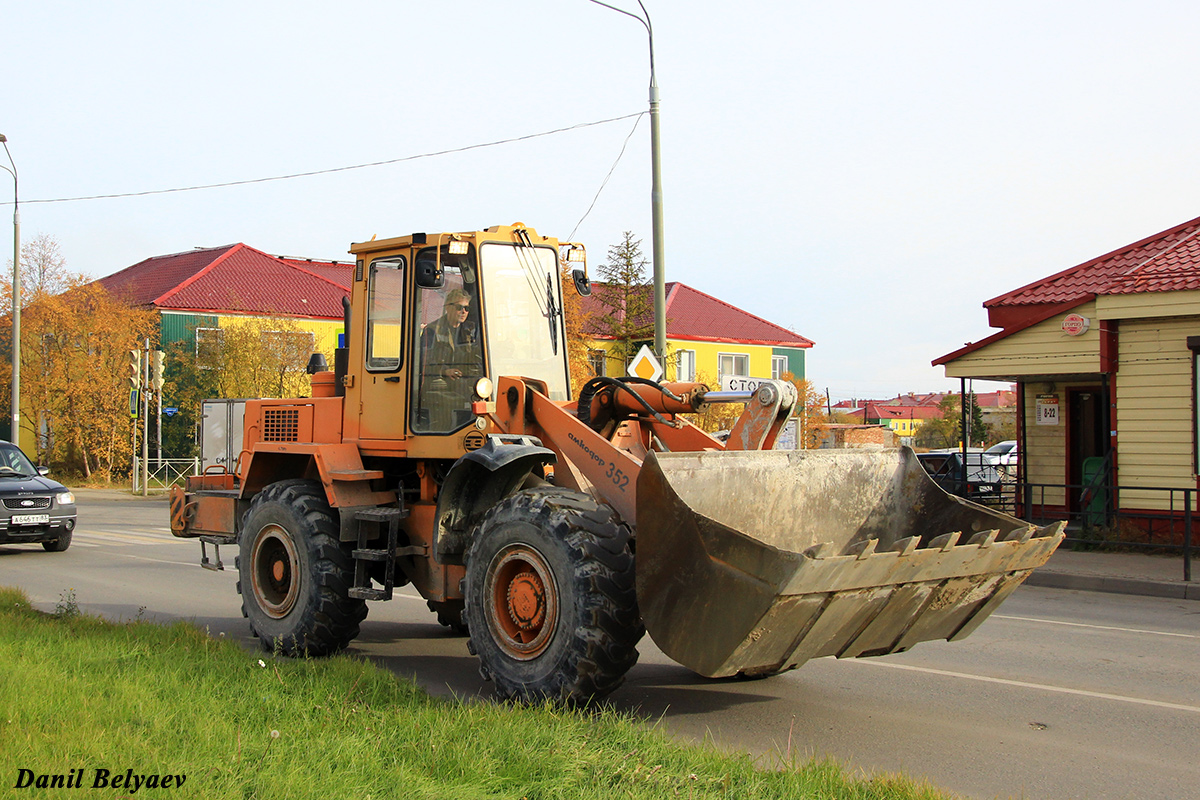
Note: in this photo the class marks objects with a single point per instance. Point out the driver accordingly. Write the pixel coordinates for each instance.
(450, 346)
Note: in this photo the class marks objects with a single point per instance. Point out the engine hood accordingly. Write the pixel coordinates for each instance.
(37, 485)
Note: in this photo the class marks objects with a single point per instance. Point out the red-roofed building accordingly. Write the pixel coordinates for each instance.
(707, 338)
(194, 290)
(905, 413)
(1104, 355)
(903, 421)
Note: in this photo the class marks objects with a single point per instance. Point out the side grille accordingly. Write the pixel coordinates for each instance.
(281, 425)
(26, 503)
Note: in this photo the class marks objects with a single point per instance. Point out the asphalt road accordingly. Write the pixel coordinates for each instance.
(1059, 695)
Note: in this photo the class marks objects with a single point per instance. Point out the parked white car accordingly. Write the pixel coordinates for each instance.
(1003, 454)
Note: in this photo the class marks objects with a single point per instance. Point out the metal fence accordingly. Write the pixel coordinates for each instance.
(1158, 519)
(163, 473)
(1163, 522)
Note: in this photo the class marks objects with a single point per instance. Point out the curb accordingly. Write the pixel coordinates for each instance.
(1098, 583)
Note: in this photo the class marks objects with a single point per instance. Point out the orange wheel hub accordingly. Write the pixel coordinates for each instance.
(523, 607)
(274, 571)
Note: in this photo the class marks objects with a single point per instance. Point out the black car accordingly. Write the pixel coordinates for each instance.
(980, 481)
(33, 508)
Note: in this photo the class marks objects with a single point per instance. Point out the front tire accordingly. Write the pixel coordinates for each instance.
(551, 605)
(58, 545)
(293, 573)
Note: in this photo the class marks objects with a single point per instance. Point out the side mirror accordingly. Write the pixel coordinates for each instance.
(429, 273)
(43, 471)
(582, 284)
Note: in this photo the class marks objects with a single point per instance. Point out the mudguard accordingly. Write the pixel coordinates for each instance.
(478, 481)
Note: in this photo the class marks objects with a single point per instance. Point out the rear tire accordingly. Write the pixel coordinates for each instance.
(450, 614)
(293, 573)
(60, 544)
(551, 605)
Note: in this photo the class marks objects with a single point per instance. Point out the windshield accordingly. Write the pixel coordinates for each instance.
(525, 333)
(14, 463)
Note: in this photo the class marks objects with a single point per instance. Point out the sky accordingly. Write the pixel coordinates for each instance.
(866, 174)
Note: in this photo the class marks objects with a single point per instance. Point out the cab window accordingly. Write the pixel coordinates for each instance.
(385, 314)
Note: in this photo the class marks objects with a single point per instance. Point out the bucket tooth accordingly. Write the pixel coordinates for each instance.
(945, 542)
(983, 539)
(1020, 536)
(822, 550)
(863, 549)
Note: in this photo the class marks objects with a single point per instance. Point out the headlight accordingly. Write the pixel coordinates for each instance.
(65, 498)
(483, 388)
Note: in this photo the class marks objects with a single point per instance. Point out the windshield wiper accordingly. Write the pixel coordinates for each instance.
(552, 313)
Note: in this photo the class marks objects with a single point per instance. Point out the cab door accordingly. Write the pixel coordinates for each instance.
(382, 403)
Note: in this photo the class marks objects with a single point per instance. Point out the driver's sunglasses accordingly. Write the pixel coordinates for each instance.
(461, 307)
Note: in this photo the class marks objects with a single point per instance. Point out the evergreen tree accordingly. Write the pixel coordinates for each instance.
(626, 300)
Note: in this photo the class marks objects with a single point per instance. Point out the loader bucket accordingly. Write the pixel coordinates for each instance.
(755, 562)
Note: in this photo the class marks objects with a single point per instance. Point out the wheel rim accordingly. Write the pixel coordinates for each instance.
(523, 601)
(275, 571)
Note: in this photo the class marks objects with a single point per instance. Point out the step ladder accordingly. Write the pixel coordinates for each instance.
(371, 522)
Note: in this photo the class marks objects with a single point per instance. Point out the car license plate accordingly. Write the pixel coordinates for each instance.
(30, 519)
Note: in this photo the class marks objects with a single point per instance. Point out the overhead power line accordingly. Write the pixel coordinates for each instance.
(340, 169)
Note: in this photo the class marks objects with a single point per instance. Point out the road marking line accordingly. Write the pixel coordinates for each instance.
(196, 563)
(113, 537)
(131, 529)
(1096, 627)
(1026, 685)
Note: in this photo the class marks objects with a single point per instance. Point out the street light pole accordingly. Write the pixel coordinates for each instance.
(15, 434)
(656, 194)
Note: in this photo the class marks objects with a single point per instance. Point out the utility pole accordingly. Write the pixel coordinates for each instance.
(656, 194)
(15, 434)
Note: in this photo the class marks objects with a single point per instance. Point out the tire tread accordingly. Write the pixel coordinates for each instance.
(604, 647)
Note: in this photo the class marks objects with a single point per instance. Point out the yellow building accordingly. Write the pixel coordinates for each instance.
(706, 338)
(1104, 355)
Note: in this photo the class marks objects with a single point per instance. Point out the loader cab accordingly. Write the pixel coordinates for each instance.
(437, 314)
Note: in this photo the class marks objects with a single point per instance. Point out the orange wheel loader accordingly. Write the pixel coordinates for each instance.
(445, 450)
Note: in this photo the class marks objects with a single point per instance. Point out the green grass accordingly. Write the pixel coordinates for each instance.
(78, 692)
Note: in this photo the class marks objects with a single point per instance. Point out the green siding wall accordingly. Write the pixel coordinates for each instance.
(795, 357)
(182, 327)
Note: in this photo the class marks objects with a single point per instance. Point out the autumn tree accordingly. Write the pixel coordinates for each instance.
(625, 300)
(75, 339)
(74, 390)
(248, 357)
(940, 431)
(810, 411)
(946, 430)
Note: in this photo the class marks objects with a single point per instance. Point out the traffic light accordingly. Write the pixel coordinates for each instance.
(135, 369)
(156, 370)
